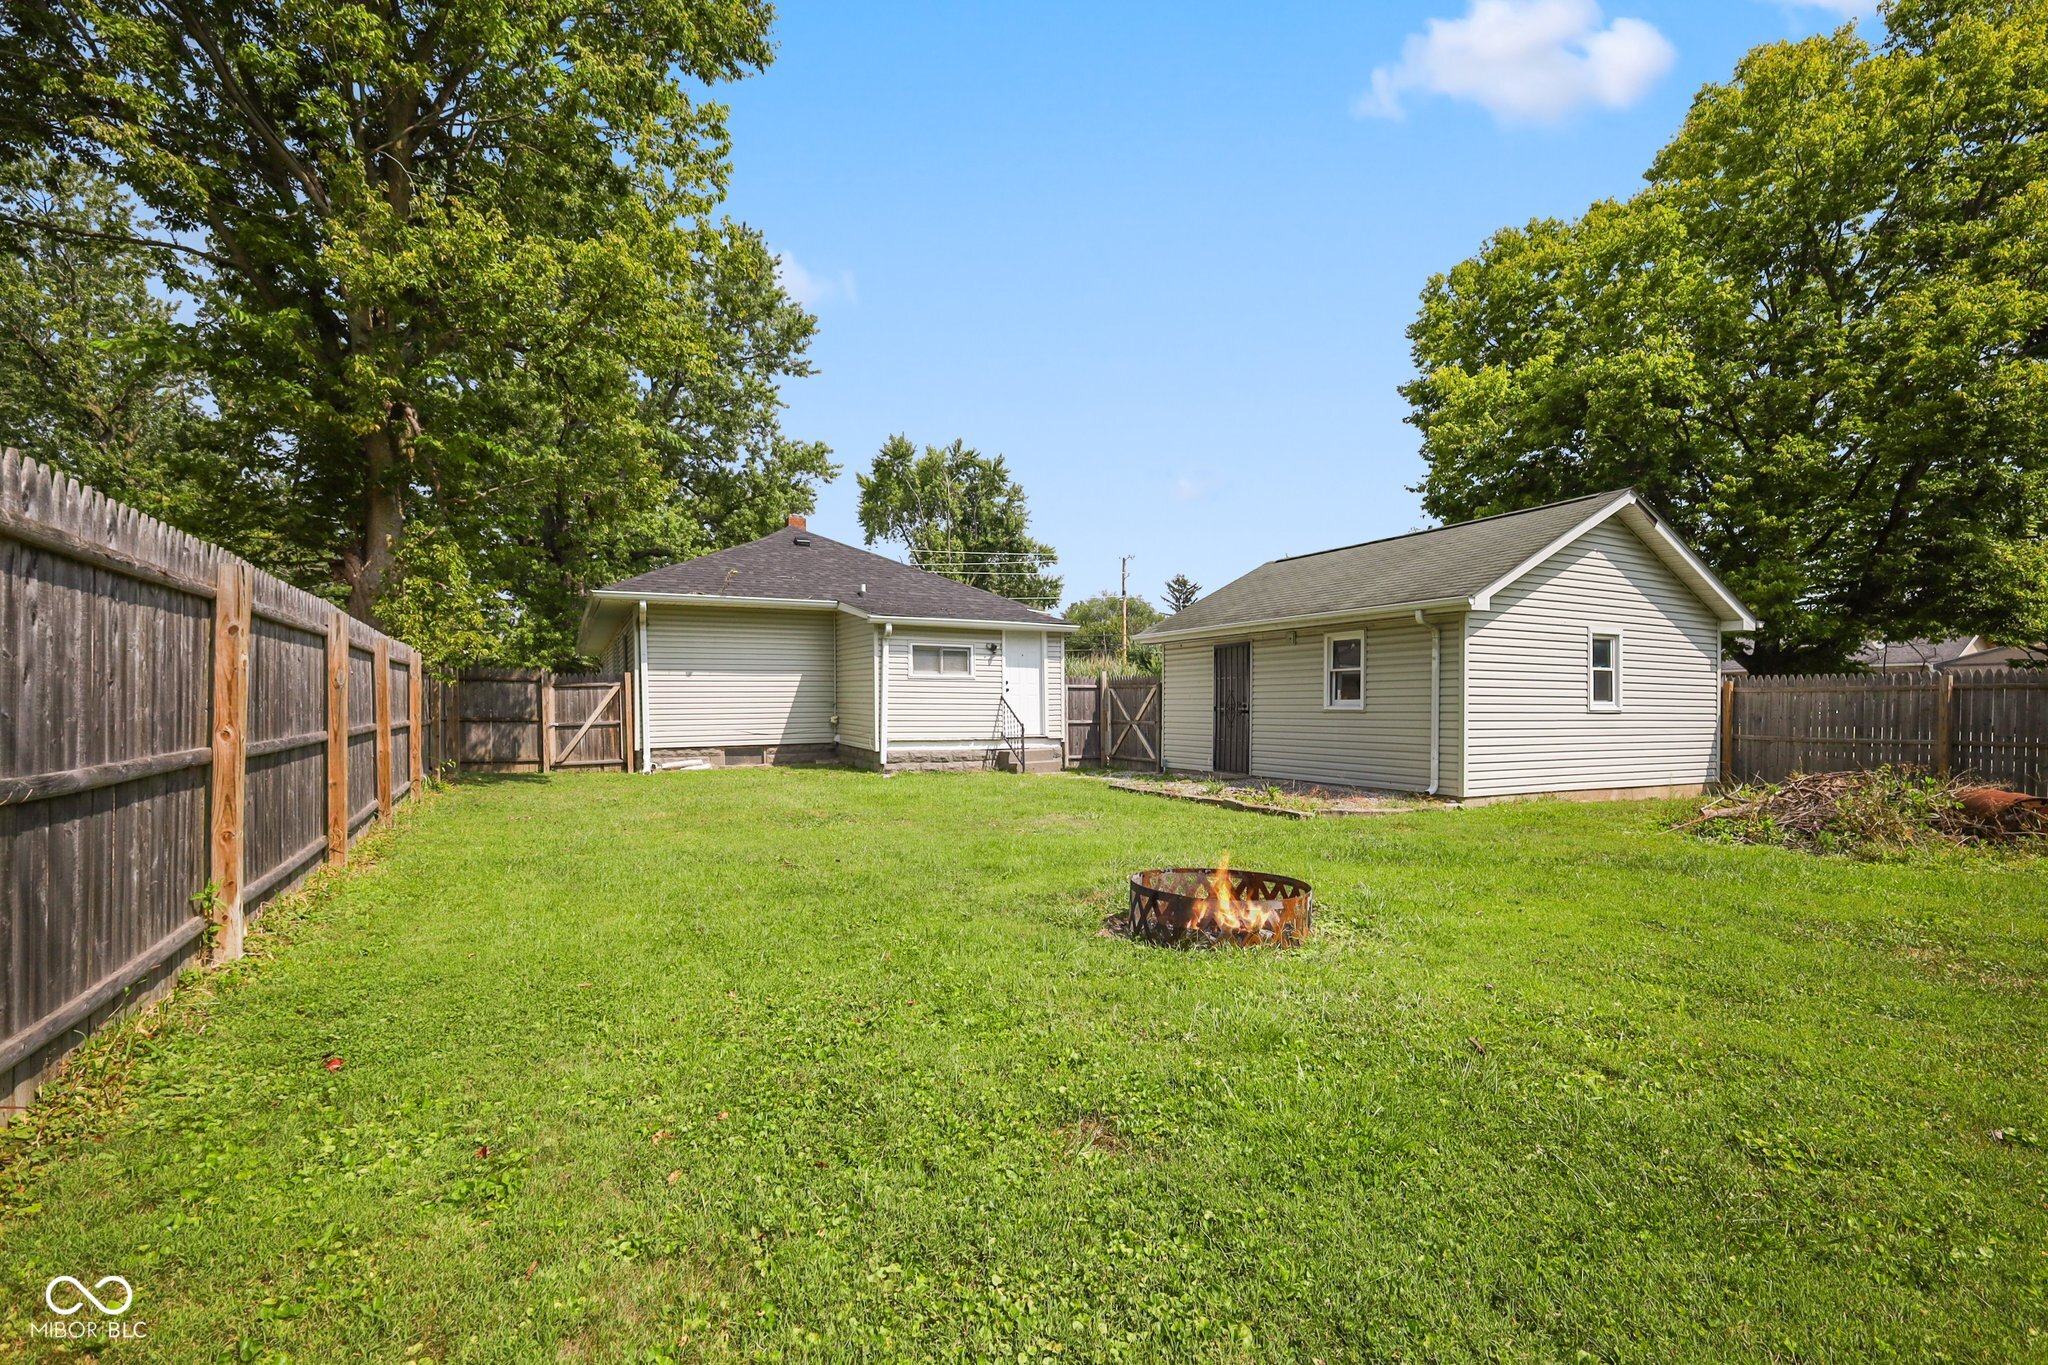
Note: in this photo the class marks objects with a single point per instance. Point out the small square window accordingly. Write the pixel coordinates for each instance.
(1344, 673)
(1603, 679)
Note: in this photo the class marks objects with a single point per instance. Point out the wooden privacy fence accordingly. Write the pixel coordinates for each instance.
(171, 720)
(1113, 722)
(524, 720)
(1990, 724)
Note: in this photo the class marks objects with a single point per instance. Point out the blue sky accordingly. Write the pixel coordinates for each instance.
(1162, 256)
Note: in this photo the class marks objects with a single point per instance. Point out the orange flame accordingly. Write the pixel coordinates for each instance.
(1225, 908)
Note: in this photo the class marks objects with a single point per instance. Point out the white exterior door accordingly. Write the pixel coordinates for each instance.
(1024, 678)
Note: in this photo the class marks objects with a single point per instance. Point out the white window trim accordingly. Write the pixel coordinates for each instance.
(1620, 639)
(939, 675)
(1329, 671)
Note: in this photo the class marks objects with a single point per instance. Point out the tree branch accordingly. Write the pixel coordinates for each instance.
(59, 230)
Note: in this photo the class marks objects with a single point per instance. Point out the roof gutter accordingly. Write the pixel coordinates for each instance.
(712, 599)
(1048, 624)
(1156, 636)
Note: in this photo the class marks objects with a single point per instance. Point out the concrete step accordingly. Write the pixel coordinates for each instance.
(1036, 760)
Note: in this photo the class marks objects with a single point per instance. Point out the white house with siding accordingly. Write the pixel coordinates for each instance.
(797, 648)
(1571, 649)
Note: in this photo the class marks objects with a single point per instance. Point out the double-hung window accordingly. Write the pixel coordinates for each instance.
(1603, 671)
(941, 661)
(1344, 672)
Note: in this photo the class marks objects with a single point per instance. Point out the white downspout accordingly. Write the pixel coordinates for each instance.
(1436, 701)
(640, 677)
(882, 726)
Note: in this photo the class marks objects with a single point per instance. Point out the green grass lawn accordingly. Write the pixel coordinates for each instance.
(739, 1064)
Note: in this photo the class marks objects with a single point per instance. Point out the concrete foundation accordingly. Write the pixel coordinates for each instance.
(1040, 756)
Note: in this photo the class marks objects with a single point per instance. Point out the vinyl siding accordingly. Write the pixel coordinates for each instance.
(1529, 728)
(1384, 745)
(856, 682)
(738, 676)
(1187, 698)
(926, 709)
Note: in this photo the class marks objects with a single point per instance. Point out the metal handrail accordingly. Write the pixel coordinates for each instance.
(1006, 716)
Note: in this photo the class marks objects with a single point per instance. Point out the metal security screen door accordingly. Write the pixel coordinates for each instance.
(1233, 743)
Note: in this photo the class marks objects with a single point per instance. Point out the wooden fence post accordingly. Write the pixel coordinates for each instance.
(1728, 732)
(381, 682)
(231, 602)
(337, 738)
(544, 707)
(415, 735)
(1103, 740)
(1944, 723)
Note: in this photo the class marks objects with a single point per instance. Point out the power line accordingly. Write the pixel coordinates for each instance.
(981, 559)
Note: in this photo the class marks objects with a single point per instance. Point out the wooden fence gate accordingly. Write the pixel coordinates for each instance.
(526, 720)
(1113, 722)
(1990, 724)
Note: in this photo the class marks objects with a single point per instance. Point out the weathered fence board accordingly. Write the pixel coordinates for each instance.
(1113, 722)
(164, 724)
(1084, 736)
(526, 720)
(1989, 724)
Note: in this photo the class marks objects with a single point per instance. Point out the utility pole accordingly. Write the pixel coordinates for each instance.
(1123, 602)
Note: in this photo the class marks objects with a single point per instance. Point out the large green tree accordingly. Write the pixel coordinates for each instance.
(90, 379)
(461, 255)
(1816, 339)
(1106, 621)
(961, 515)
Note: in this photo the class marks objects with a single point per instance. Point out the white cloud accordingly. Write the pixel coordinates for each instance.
(1525, 61)
(1189, 489)
(812, 290)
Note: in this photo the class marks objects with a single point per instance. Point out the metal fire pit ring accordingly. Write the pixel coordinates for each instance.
(1178, 906)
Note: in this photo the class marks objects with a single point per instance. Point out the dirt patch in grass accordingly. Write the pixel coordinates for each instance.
(1301, 800)
(1091, 1133)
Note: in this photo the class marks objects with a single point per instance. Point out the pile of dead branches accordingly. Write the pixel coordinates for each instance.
(1872, 814)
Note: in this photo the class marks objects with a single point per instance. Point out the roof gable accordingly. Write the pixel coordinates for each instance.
(794, 565)
(1459, 565)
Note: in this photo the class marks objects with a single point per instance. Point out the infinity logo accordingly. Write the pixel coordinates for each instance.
(87, 1296)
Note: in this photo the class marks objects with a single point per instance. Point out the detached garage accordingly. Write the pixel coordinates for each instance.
(796, 648)
(1569, 649)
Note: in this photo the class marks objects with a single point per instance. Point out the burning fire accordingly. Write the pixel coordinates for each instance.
(1224, 907)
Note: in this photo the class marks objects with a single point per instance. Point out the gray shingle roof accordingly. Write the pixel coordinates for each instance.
(1917, 653)
(825, 570)
(1460, 560)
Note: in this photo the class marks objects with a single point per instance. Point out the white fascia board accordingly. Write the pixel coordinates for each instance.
(1235, 628)
(1734, 616)
(1483, 599)
(708, 599)
(1063, 627)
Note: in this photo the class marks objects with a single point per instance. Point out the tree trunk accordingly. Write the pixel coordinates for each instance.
(385, 451)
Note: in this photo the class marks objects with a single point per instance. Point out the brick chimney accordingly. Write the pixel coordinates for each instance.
(796, 523)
